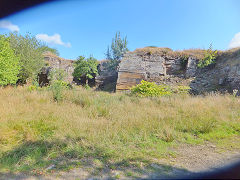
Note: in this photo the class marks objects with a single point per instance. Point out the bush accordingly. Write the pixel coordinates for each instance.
(182, 90)
(150, 89)
(57, 88)
(57, 84)
(33, 88)
(9, 63)
(209, 58)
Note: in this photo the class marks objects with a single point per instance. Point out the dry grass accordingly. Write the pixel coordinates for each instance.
(35, 131)
(195, 53)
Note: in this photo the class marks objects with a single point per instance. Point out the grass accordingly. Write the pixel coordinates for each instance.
(112, 129)
(195, 53)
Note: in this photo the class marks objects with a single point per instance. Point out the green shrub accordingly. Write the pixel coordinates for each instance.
(209, 58)
(57, 88)
(86, 86)
(57, 83)
(181, 89)
(150, 89)
(32, 88)
(9, 63)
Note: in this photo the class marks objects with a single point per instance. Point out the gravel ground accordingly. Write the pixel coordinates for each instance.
(190, 160)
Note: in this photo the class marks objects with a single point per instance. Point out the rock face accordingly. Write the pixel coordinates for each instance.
(107, 78)
(55, 62)
(164, 66)
(160, 67)
(222, 76)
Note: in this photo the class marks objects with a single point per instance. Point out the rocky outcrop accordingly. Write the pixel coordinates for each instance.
(106, 78)
(223, 76)
(55, 62)
(164, 66)
(160, 65)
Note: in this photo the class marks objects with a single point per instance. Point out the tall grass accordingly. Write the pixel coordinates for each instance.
(36, 131)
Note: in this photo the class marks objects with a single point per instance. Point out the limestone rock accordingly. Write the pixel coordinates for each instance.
(159, 68)
(55, 62)
(222, 76)
(106, 78)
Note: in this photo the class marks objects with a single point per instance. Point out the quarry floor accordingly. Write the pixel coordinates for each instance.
(188, 162)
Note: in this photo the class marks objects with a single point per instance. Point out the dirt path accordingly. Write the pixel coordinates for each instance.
(189, 160)
(203, 157)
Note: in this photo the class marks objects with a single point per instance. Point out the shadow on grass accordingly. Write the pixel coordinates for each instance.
(43, 159)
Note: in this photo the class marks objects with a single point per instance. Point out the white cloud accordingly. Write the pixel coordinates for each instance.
(235, 42)
(8, 25)
(54, 39)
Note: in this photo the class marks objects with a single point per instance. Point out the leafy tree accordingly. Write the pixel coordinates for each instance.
(117, 50)
(209, 57)
(30, 51)
(9, 63)
(85, 68)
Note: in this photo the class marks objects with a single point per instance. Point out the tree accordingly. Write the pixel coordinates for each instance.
(30, 51)
(118, 49)
(85, 68)
(9, 63)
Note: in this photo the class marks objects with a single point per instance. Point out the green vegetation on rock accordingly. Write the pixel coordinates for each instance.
(209, 57)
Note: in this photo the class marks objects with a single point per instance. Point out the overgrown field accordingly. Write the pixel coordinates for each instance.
(36, 131)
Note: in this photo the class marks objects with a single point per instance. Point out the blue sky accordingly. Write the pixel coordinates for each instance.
(86, 27)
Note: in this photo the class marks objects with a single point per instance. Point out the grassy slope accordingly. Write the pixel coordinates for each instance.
(36, 132)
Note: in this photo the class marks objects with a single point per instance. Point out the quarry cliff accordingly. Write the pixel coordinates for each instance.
(165, 66)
